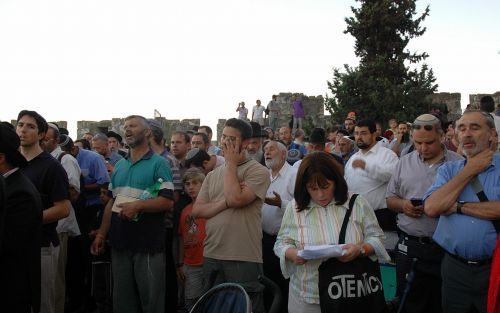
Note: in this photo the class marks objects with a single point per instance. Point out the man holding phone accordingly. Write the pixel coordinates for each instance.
(412, 176)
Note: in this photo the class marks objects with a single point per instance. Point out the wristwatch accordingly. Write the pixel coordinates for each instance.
(460, 204)
(362, 251)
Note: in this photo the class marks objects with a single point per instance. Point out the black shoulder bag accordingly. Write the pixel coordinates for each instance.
(354, 286)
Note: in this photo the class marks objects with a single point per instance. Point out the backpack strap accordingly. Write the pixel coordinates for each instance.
(59, 158)
(346, 219)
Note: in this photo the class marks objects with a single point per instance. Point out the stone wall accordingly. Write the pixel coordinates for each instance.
(116, 125)
(474, 99)
(313, 109)
(452, 102)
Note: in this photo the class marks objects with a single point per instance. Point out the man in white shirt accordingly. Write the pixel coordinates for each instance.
(258, 113)
(368, 173)
(279, 194)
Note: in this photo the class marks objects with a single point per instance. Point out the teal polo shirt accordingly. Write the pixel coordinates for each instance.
(131, 179)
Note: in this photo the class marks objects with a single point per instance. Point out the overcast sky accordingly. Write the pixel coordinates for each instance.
(96, 59)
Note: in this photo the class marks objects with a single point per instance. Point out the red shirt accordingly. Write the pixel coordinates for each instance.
(193, 233)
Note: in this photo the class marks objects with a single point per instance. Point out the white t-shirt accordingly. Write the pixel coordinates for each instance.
(257, 113)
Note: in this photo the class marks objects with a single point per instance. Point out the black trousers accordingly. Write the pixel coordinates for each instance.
(465, 287)
(272, 270)
(425, 293)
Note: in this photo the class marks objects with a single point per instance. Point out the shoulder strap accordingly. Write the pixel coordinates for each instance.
(479, 190)
(59, 158)
(346, 219)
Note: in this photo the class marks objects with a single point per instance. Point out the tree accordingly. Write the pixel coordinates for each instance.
(388, 82)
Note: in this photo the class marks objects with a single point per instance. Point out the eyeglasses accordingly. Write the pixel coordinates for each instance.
(426, 127)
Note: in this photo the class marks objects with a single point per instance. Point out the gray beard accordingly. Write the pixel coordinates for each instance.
(271, 164)
(254, 156)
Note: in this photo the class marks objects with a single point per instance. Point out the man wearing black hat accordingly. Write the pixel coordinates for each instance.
(51, 181)
(115, 143)
(20, 237)
(317, 141)
(254, 148)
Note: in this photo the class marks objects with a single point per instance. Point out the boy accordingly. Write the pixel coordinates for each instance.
(192, 233)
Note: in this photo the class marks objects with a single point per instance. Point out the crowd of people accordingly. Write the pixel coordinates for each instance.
(144, 223)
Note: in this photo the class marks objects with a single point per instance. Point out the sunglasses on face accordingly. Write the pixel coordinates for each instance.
(426, 127)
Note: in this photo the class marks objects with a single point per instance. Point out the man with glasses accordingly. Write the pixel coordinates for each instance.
(466, 197)
(411, 178)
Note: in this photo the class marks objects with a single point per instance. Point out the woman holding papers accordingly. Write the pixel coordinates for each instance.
(314, 218)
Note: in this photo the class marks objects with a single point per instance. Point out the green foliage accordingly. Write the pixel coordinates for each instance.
(388, 81)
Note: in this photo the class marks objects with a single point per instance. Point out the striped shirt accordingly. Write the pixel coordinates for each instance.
(319, 225)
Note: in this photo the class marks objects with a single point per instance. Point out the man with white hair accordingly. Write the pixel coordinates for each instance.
(279, 194)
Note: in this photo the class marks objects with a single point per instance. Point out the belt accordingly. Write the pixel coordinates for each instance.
(422, 240)
(470, 262)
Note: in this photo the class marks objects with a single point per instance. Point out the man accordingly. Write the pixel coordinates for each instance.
(68, 226)
(346, 147)
(258, 113)
(199, 158)
(465, 229)
(274, 112)
(100, 144)
(180, 144)
(242, 111)
(51, 181)
(279, 194)
(254, 147)
(349, 124)
(115, 143)
(285, 135)
(208, 131)
(201, 141)
(487, 104)
(317, 141)
(231, 198)
(137, 231)
(368, 172)
(21, 218)
(412, 176)
(88, 214)
(157, 144)
(298, 113)
(402, 139)
(88, 136)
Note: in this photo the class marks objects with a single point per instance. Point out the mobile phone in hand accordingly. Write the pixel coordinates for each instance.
(416, 201)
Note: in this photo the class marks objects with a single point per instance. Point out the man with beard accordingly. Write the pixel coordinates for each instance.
(137, 233)
(231, 199)
(466, 227)
(279, 193)
(254, 148)
(402, 139)
(368, 172)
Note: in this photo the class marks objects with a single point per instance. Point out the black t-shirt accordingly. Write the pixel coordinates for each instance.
(51, 181)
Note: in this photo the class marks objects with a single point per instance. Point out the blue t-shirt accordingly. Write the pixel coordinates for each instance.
(469, 237)
(131, 179)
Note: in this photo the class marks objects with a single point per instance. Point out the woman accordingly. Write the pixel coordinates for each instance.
(315, 218)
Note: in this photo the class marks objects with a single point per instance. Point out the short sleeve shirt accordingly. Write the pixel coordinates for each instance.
(51, 181)
(193, 233)
(235, 234)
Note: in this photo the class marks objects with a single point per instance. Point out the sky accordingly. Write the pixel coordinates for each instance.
(96, 59)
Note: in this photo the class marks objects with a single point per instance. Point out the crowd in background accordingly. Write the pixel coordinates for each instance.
(136, 222)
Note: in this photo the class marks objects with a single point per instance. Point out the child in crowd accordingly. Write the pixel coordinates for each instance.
(192, 233)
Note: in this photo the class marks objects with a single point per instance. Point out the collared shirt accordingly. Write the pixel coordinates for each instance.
(130, 179)
(113, 158)
(411, 179)
(70, 165)
(319, 225)
(372, 181)
(469, 237)
(283, 184)
(274, 109)
(69, 224)
(94, 171)
(174, 167)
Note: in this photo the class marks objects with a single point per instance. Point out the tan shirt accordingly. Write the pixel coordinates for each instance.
(236, 234)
